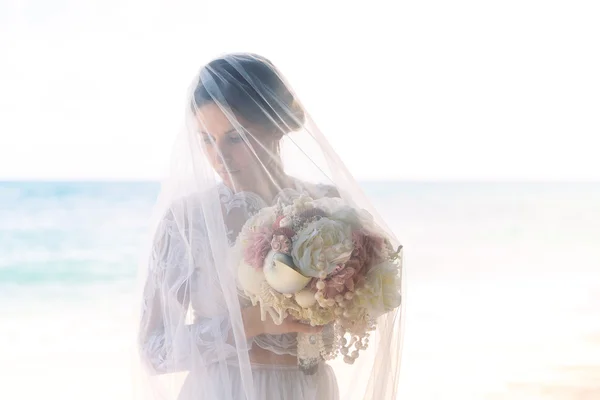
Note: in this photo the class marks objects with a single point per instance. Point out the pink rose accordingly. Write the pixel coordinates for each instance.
(259, 246)
(367, 250)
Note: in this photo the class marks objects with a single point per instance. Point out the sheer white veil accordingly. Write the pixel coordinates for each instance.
(247, 143)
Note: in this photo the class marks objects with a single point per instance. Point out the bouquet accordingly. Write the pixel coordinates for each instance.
(322, 262)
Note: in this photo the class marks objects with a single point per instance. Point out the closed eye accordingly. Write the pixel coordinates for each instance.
(235, 138)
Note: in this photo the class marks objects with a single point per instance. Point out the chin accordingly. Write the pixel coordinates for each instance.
(232, 179)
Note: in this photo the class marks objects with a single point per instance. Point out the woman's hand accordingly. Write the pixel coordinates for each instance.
(253, 326)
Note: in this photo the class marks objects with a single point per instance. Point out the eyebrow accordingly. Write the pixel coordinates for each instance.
(229, 132)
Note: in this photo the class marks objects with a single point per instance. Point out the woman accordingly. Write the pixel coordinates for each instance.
(199, 337)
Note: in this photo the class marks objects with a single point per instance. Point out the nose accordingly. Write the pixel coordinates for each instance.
(223, 152)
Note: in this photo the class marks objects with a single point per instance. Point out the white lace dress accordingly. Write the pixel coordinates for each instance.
(271, 382)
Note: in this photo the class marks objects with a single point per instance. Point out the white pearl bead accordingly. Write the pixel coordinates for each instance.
(354, 354)
(322, 274)
(338, 311)
(344, 351)
(348, 360)
(346, 314)
(349, 295)
(320, 266)
(330, 302)
(339, 298)
(320, 285)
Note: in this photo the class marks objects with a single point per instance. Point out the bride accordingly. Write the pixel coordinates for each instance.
(248, 143)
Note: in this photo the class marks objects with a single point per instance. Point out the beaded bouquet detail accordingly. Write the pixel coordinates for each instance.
(322, 262)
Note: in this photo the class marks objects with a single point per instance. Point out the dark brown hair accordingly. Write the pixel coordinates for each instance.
(251, 87)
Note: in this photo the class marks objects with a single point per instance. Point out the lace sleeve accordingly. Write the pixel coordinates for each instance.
(167, 342)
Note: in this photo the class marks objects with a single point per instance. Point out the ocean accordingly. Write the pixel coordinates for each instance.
(503, 287)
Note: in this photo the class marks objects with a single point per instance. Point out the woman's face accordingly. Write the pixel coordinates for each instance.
(238, 162)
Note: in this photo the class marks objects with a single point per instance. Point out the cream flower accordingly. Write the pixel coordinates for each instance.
(381, 292)
(302, 203)
(322, 246)
(264, 218)
(250, 279)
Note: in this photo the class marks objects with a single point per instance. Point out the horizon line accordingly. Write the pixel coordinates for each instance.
(372, 180)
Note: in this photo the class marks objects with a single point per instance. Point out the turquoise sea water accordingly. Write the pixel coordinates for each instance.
(503, 287)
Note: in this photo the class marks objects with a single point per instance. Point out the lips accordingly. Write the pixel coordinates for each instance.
(229, 171)
(225, 167)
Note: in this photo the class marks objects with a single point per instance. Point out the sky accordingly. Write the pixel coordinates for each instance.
(408, 90)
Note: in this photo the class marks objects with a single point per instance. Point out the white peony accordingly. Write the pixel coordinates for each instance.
(381, 289)
(322, 246)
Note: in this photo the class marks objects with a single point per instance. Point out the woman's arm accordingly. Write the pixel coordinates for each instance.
(168, 342)
(254, 326)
